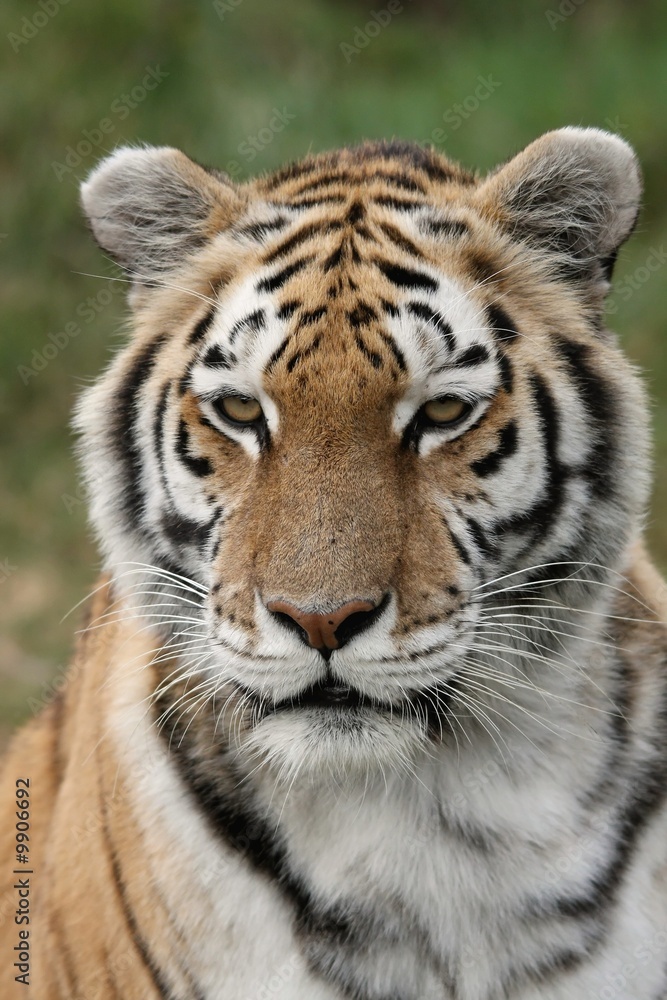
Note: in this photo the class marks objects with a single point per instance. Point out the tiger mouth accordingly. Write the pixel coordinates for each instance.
(329, 696)
(430, 706)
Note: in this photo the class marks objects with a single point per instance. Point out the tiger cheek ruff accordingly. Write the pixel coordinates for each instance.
(371, 702)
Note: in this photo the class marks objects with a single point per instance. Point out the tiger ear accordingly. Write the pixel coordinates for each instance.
(574, 193)
(150, 208)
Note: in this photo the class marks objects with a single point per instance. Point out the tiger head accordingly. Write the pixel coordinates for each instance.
(368, 406)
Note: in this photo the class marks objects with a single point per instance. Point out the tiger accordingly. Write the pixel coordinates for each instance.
(370, 701)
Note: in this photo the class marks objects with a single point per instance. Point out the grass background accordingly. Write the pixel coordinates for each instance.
(67, 66)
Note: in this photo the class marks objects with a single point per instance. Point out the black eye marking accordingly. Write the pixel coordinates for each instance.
(202, 327)
(405, 277)
(477, 354)
(215, 357)
(424, 312)
(256, 321)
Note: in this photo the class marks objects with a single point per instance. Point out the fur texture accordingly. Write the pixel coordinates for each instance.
(462, 797)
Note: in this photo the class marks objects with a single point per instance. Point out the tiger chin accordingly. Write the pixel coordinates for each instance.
(371, 699)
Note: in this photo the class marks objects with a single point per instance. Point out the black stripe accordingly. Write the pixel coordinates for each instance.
(355, 213)
(121, 434)
(202, 327)
(541, 515)
(476, 354)
(277, 354)
(405, 277)
(401, 240)
(271, 284)
(323, 180)
(424, 312)
(597, 396)
(399, 180)
(395, 350)
(256, 321)
(459, 546)
(333, 259)
(303, 234)
(215, 357)
(180, 530)
(329, 199)
(506, 372)
(157, 977)
(158, 432)
(502, 326)
(326, 932)
(399, 204)
(287, 308)
(300, 355)
(258, 230)
(312, 316)
(506, 448)
(443, 227)
(198, 466)
(365, 234)
(345, 177)
(361, 315)
(557, 964)
(375, 359)
(389, 307)
(480, 537)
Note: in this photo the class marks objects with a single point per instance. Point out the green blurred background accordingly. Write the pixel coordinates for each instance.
(480, 80)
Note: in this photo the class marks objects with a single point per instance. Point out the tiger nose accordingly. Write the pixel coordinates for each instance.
(326, 632)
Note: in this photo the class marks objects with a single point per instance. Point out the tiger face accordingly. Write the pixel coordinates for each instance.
(367, 409)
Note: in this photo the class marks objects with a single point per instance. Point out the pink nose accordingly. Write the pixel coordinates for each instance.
(329, 631)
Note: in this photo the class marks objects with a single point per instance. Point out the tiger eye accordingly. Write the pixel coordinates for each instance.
(447, 410)
(240, 409)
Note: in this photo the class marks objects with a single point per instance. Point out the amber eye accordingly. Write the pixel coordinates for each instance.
(446, 410)
(239, 409)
